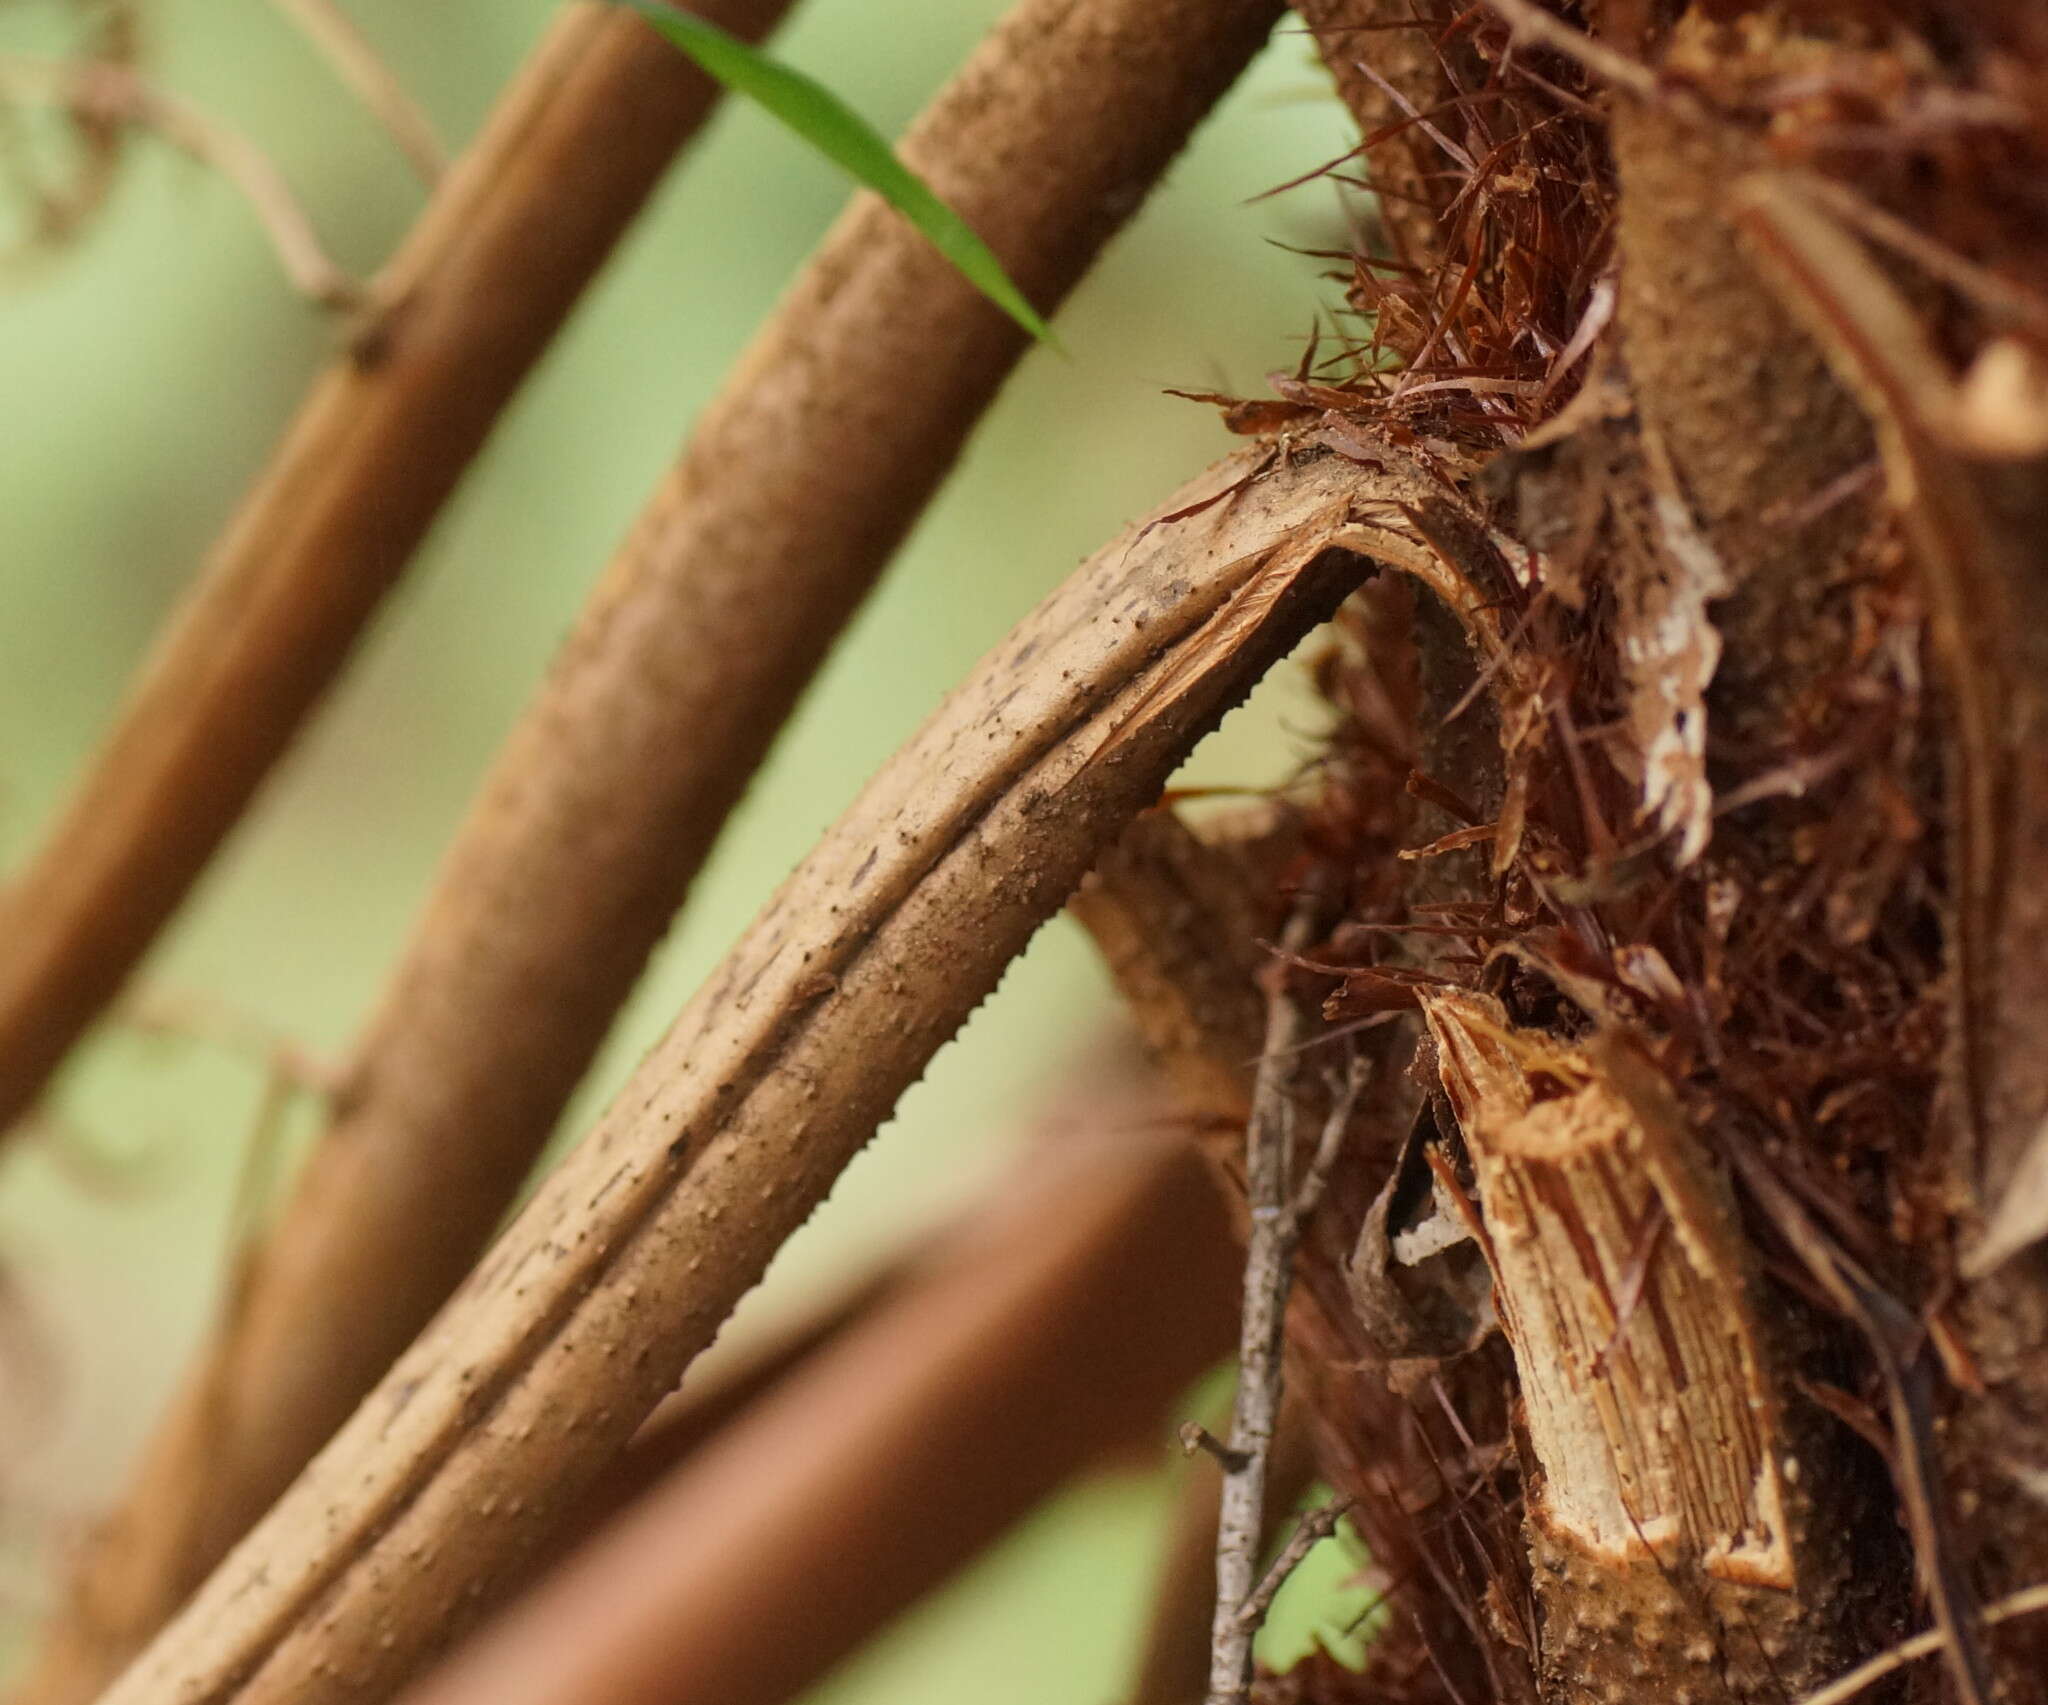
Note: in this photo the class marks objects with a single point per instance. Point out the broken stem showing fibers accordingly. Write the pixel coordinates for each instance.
(623, 1268)
(488, 273)
(830, 436)
(1685, 1531)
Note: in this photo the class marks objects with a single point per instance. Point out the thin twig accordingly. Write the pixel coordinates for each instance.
(116, 94)
(1278, 1211)
(1346, 1089)
(1314, 1527)
(1173, 1666)
(156, 1009)
(1528, 22)
(334, 34)
(1268, 1276)
(59, 201)
(1194, 1437)
(1922, 1645)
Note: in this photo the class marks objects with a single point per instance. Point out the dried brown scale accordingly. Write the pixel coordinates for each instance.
(1499, 202)
(1798, 985)
(1402, 47)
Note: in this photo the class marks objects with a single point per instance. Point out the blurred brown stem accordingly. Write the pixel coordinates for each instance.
(620, 1272)
(1056, 1328)
(688, 1419)
(488, 273)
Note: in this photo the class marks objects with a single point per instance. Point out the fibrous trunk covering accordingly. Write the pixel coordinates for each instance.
(1678, 1321)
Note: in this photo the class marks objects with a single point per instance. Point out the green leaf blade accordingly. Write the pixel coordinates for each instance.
(828, 124)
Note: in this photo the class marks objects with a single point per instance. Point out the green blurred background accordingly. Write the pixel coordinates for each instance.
(143, 375)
